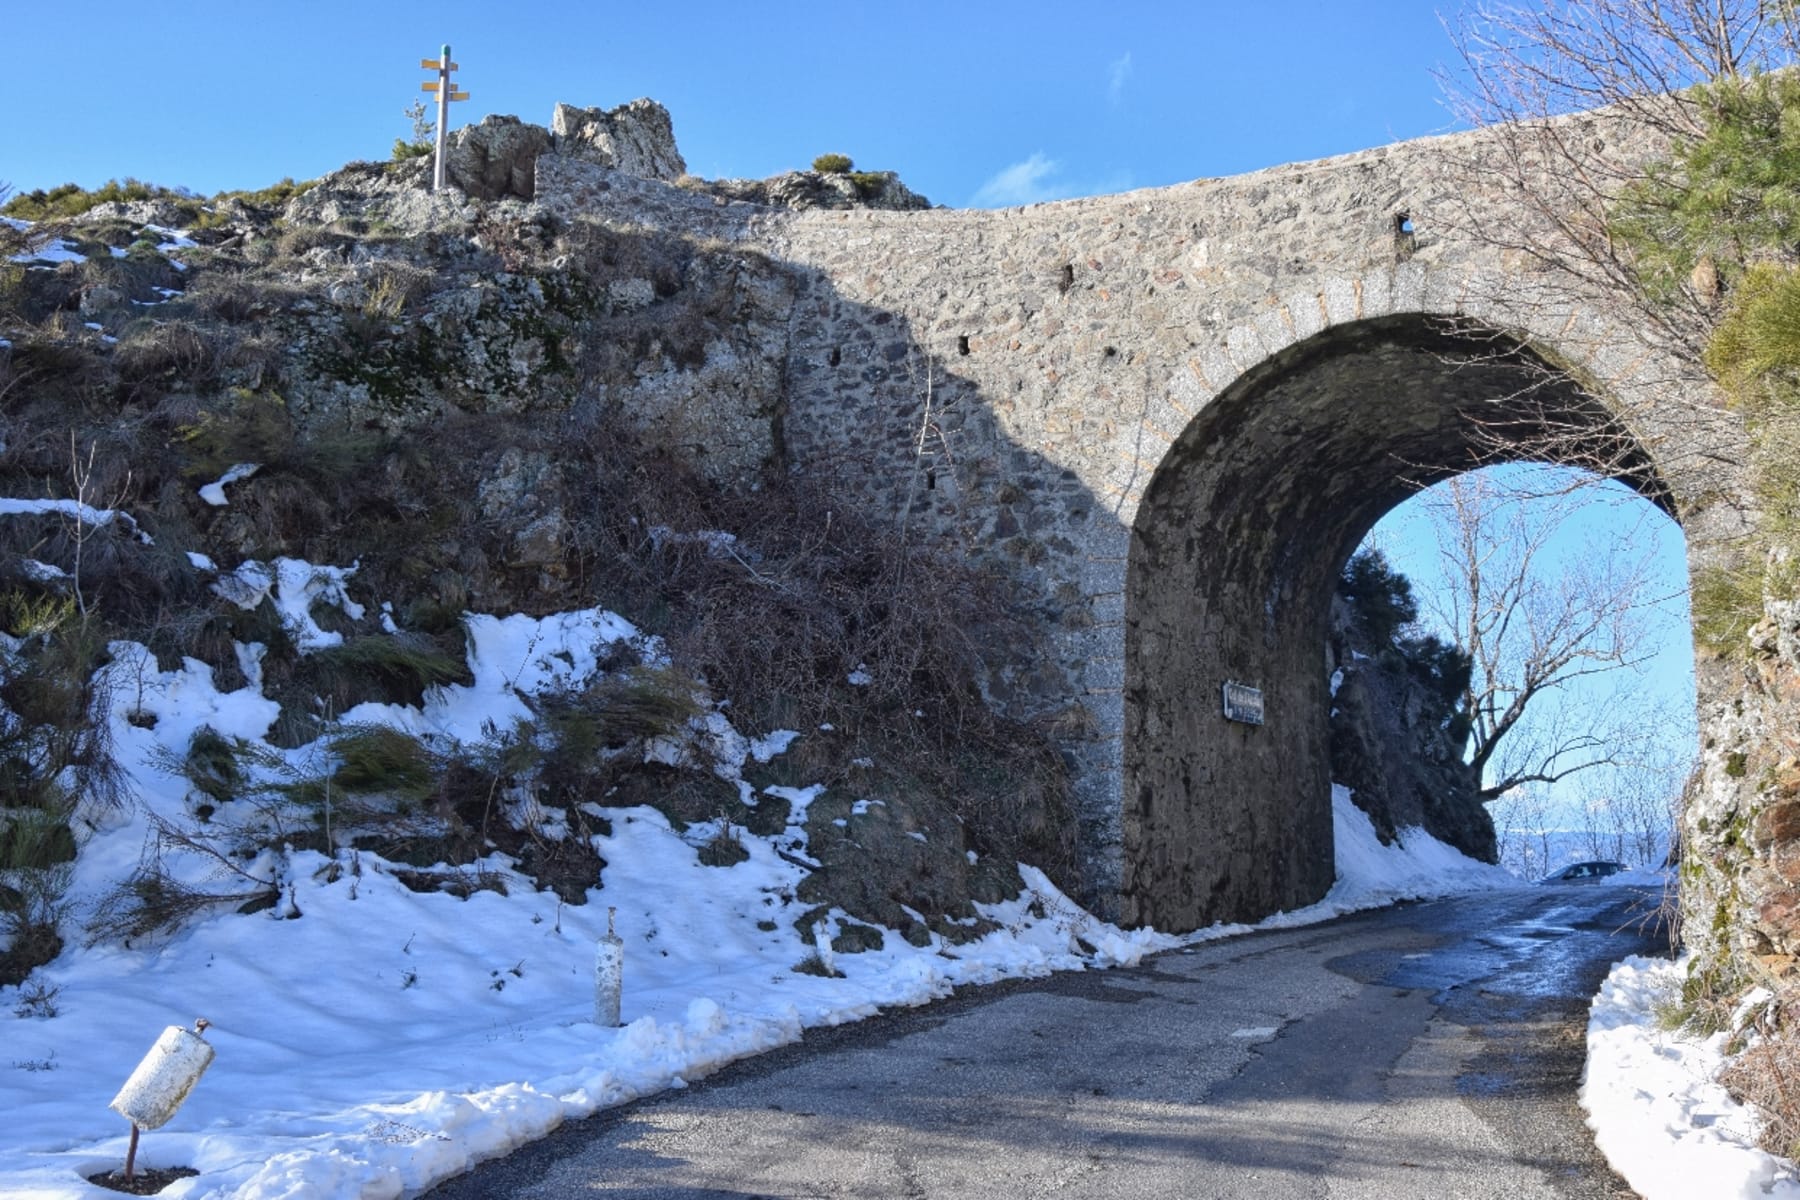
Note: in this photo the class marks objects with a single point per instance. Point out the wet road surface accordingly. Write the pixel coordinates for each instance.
(1432, 1050)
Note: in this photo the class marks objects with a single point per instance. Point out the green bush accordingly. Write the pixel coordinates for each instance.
(240, 427)
(401, 667)
(1727, 195)
(833, 164)
(1725, 603)
(378, 760)
(212, 766)
(72, 200)
(1380, 597)
(35, 850)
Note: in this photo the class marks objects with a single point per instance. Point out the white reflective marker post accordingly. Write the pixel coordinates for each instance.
(162, 1081)
(609, 976)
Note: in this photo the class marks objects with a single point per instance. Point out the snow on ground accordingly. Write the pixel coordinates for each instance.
(75, 510)
(372, 1040)
(1654, 1107)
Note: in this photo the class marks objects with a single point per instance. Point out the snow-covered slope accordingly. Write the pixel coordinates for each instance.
(372, 1039)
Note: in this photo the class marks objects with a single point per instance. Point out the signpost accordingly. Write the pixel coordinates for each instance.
(1243, 703)
(446, 92)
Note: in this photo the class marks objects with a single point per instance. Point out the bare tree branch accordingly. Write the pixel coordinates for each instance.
(1531, 630)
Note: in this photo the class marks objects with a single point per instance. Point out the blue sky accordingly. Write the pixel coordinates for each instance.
(1602, 526)
(977, 102)
(1001, 102)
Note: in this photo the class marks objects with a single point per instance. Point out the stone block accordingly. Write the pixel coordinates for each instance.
(1377, 293)
(1245, 347)
(1343, 300)
(1410, 287)
(1217, 369)
(1273, 330)
(1306, 310)
(1108, 608)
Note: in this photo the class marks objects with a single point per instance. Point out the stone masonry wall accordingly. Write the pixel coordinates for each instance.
(1013, 382)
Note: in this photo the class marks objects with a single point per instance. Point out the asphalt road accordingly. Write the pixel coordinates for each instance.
(1432, 1050)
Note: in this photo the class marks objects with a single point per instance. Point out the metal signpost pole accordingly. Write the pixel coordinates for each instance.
(446, 92)
(443, 120)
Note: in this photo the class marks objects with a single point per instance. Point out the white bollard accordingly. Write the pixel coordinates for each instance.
(165, 1077)
(822, 944)
(609, 976)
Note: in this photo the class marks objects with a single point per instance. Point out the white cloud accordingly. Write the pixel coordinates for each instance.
(1040, 178)
(1027, 182)
(1118, 74)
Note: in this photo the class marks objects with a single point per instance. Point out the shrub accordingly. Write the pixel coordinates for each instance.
(1725, 603)
(869, 183)
(832, 164)
(219, 210)
(401, 667)
(724, 848)
(71, 199)
(376, 759)
(35, 849)
(212, 766)
(166, 355)
(240, 427)
(1380, 597)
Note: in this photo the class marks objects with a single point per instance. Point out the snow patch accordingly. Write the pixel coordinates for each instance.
(1656, 1112)
(214, 492)
(87, 514)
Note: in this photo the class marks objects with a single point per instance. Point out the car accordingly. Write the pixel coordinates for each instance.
(1584, 872)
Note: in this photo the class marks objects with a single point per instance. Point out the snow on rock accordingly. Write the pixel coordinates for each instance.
(87, 514)
(214, 492)
(1656, 1112)
(295, 586)
(51, 250)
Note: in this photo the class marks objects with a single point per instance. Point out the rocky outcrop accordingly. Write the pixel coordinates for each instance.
(1740, 826)
(637, 138)
(820, 189)
(1393, 745)
(496, 158)
(397, 193)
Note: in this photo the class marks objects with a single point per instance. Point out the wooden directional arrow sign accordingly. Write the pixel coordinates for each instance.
(433, 64)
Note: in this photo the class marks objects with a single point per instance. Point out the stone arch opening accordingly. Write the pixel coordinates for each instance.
(1234, 551)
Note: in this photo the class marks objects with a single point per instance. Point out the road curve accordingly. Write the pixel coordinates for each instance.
(1431, 1050)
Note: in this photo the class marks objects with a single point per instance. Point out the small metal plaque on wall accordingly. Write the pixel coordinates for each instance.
(1243, 703)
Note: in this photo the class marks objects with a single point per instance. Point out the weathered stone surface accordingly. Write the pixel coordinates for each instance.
(815, 189)
(637, 138)
(1740, 826)
(398, 193)
(166, 213)
(496, 158)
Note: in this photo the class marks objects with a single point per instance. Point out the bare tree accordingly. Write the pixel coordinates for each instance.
(1524, 66)
(1535, 622)
(1632, 809)
(1522, 831)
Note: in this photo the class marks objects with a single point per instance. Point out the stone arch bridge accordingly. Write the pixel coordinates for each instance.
(1171, 415)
